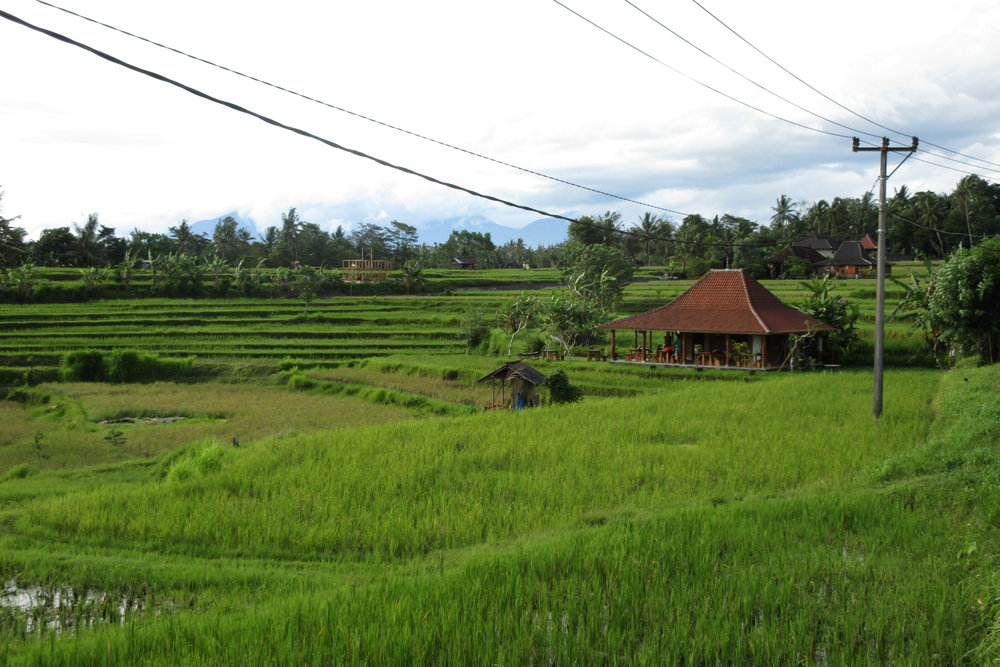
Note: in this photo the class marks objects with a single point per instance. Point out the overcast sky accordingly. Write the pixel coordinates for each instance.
(525, 82)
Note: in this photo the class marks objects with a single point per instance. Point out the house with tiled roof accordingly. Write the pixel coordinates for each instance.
(851, 259)
(726, 319)
(824, 244)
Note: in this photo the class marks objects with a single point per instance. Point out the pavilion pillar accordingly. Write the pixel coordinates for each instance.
(614, 349)
(727, 349)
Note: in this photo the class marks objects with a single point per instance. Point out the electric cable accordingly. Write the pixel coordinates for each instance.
(359, 115)
(830, 99)
(697, 81)
(743, 76)
(309, 135)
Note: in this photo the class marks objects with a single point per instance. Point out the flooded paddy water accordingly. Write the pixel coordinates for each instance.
(32, 609)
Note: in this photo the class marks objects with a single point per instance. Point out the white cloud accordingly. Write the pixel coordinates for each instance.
(522, 82)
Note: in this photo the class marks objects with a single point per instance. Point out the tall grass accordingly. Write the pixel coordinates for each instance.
(408, 489)
(778, 551)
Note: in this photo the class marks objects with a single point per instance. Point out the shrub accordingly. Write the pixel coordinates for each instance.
(560, 389)
(199, 461)
(121, 366)
(475, 328)
(797, 266)
(83, 366)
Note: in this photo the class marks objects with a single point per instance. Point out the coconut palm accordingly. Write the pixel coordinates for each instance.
(786, 214)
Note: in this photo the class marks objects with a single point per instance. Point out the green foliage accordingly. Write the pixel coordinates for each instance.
(19, 283)
(515, 315)
(560, 389)
(597, 272)
(698, 267)
(571, 320)
(797, 267)
(83, 366)
(199, 461)
(475, 328)
(838, 312)
(963, 303)
(121, 365)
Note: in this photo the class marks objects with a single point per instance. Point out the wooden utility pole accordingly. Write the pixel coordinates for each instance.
(884, 150)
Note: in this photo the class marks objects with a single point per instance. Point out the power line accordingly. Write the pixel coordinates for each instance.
(270, 121)
(830, 99)
(697, 81)
(359, 115)
(741, 75)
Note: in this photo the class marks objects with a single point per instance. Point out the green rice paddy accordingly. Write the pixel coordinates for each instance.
(373, 513)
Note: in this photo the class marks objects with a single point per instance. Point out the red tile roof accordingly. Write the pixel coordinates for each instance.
(723, 301)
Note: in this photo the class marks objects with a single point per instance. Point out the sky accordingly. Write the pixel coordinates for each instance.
(523, 82)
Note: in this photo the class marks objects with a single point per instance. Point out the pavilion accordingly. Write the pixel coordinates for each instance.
(726, 319)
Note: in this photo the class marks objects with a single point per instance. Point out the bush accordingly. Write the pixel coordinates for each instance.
(121, 366)
(698, 267)
(475, 328)
(203, 459)
(797, 266)
(83, 366)
(560, 389)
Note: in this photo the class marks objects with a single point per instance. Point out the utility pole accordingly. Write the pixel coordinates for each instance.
(884, 151)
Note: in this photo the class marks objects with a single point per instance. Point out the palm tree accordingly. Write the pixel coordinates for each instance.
(649, 225)
(785, 214)
(184, 236)
(929, 209)
(88, 245)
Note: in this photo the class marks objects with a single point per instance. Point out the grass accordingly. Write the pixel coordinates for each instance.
(670, 517)
(817, 552)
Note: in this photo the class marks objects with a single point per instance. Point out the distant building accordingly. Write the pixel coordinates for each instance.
(465, 262)
(851, 259)
(365, 270)
(824, 244)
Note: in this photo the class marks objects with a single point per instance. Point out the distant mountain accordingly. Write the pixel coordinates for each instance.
(546, 231)
(207, 227)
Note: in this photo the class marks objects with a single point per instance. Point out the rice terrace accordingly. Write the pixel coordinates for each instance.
(249, 480)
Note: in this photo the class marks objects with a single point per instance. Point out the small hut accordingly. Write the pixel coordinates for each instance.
(514, 385)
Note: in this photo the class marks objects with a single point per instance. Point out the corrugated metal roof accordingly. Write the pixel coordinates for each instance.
(515, 369)
(723, 301)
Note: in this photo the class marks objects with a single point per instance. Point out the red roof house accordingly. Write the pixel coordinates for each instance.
(727, 318)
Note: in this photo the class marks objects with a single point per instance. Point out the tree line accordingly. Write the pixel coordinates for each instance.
(924, 224)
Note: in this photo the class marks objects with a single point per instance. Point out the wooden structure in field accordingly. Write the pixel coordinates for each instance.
(726, 319)
(365, 270)
(514, 385)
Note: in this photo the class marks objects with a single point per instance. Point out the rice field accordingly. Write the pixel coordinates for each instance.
(373, 513)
